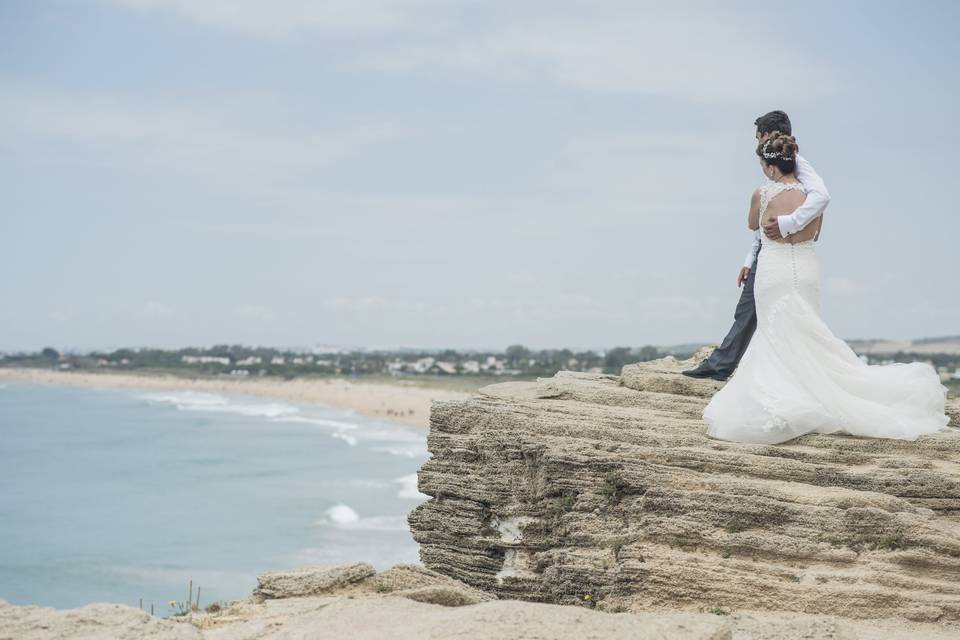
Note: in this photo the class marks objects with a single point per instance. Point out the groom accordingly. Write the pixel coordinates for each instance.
(724, 359)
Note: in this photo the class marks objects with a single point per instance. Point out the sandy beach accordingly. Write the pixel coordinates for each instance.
(403, 401)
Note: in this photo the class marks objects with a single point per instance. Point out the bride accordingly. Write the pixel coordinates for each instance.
(796, 377)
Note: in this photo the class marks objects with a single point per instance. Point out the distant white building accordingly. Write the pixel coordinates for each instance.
(200, 360)
(330, 349)
(249, 361)
(492, 365)
(423, 364)
(956, 374)
(443, 368)
(470, 366)
(277, 360)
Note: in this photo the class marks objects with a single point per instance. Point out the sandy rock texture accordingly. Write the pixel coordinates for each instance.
(409, 602)
(98, 621)
(310, 580)
(607, 486)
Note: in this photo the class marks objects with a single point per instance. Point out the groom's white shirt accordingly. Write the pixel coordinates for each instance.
(817, 199)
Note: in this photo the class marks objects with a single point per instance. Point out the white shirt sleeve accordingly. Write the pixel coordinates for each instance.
(817, 199)
(754, 249)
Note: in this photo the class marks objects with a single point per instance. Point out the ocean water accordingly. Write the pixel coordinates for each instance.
(115, 495)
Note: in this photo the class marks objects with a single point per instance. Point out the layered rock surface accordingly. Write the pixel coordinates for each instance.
(408, 602)
(607, 486)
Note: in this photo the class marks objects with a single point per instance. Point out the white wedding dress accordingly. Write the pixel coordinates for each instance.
(796, 377)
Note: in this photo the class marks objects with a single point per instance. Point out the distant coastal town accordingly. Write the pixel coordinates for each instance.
(244, 361)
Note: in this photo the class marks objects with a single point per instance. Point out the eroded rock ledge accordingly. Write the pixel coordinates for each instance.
(408, 602)
(607, 485)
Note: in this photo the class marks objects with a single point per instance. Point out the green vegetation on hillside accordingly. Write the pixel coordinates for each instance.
(239, 360)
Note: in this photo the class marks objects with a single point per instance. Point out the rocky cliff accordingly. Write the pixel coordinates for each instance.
(408, 602)
(606, 489)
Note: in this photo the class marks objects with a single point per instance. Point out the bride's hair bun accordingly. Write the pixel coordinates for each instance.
(780, 149)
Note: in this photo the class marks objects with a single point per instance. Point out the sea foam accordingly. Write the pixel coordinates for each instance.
(393, 439)
(322, 422)
(413, 450)
(343, 516)
(202, 401)
(408, 488)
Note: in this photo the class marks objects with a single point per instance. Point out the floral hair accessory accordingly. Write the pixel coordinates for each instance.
(770, 155)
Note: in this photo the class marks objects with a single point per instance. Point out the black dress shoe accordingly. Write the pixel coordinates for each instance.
(700, 372)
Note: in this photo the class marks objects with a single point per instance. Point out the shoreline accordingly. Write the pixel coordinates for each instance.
(402, 402)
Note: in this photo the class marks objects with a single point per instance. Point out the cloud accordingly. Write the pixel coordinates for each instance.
(154, 309)
(541, 307)
(839, 284)
(281, 19)
(707, 59)
(241, 140)
(256, 312)
(698, 51)
(62, 315)
(369, 303)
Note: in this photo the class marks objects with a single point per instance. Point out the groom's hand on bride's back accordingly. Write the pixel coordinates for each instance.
(742, 277)
(772, 230)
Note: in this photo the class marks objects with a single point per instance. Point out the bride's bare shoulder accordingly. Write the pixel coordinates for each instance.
(787, 200)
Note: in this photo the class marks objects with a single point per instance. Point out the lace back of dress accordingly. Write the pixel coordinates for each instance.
(771, 190)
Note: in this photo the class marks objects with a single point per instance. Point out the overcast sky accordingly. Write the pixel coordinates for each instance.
(449, 173)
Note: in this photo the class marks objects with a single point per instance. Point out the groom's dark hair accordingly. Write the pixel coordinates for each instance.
(774, 121)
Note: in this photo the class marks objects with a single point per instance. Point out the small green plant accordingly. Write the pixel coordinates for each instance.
(183, 608)
(613, 487)
(178, 608)
(588, 601)
(718, 611)
(384, 588)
